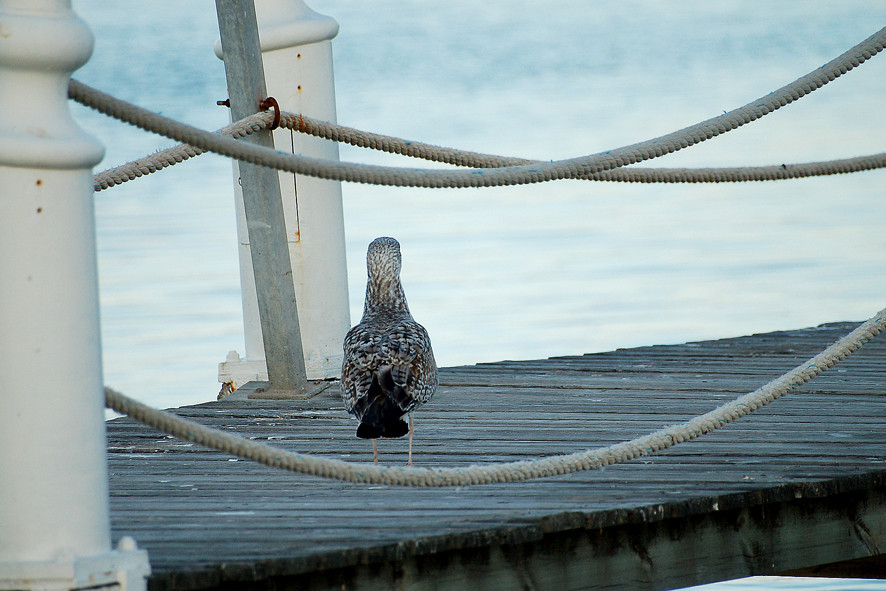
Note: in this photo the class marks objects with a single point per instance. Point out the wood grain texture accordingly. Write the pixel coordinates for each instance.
(798, 483)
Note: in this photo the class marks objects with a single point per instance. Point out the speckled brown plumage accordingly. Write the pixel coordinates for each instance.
(389, 368)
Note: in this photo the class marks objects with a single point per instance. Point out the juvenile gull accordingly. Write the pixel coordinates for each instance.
(388, 369)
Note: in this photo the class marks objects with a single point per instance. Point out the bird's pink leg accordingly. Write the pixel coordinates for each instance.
(374, 452)
(411, 432)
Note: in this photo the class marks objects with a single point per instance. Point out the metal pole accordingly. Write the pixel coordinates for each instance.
(297, 57)
(54, 515)
(281, 335)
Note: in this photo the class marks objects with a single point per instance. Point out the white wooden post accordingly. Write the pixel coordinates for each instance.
(297, 55)
(54, 517)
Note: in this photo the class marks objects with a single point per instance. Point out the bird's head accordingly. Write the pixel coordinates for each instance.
(383, 259)
(383, 289)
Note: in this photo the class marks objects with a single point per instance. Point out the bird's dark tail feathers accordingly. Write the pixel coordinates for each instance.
(381, 416)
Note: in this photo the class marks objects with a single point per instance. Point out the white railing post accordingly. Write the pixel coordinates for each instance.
(297, 55)
(54, 515)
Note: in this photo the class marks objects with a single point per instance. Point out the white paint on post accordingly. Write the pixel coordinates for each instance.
(297, 56)
(54, 516)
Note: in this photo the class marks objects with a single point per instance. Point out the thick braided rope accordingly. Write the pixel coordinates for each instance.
(743, 174)
(485, 177)
(504, 472)
(355, 137)
(415, 149)
(176, 154)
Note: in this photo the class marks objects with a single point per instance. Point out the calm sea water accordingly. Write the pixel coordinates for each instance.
(520, 272)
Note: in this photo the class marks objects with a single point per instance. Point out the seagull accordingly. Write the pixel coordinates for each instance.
(389, 368)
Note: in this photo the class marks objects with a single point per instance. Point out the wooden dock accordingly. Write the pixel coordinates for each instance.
(797, 484)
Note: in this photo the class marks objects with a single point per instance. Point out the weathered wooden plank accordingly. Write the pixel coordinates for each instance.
(693, 513)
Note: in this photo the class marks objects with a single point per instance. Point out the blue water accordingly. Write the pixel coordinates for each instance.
(521, 272)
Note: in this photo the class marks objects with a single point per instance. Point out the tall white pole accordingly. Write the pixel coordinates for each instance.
(54, 517)
(297, 56)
